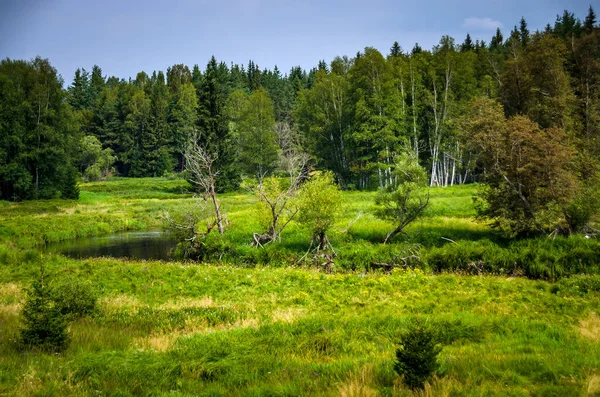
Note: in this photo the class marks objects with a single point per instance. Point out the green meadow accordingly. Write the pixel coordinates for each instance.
(514, 317)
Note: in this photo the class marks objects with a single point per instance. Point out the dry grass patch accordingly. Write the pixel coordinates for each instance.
(590, 327)
(10, 290)
(437, 387)
(159, 343)
(288, 315)
(113, 303)
(163, 342)
(29, 384)
(593, 388)
(11, 310)
(359, 385)
(179, 304)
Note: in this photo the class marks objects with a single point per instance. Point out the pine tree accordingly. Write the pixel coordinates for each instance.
(523, 33)
(213, 126)
(44, 325)
(396, 50)
(323, 66)
(79, 91)
(497, 41)
(590, 21)
(154, 142)
(566, 25)
(416, 49)
(196, 77)
(254, 76)
(97, 84)
(467, 45)
(137, 136)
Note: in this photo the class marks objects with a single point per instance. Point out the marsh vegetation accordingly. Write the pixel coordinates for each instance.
(253, 321)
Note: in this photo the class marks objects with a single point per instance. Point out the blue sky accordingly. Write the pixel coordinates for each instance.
(124, 37)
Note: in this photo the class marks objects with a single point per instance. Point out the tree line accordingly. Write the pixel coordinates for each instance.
(353, 116)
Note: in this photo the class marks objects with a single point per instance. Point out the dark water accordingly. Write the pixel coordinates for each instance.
(134, 245)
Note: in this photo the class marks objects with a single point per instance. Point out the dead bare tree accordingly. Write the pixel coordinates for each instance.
(200, 164)
(276, 196)
(292, 158)
(185, 226)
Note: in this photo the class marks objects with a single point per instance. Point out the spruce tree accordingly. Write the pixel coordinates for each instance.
(396, 50)
(97, 84)
(523, 33)
(213, 127)
(590, 21)
(79, 97)
(44, 325)
(497, 41)
(467, 45)
(416, 49)
(155, 140)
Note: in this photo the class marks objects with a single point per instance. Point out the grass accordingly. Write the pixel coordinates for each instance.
(206, 330)
(240, 327)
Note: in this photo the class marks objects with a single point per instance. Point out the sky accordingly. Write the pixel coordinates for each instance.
(127, 36)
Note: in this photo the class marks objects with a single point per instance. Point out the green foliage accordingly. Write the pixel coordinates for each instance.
(276, 206)
(213, 127)
(416, 357)
(38, 132)
(44, 325)
(323, 115)
(319, 204)
(257, 137)
(527, 191)
(535, 258)
(584, 208)
(72, 298)
(69, 189)
(403, 203)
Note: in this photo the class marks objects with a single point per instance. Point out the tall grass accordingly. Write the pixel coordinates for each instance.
(182, 329)
(257, 322)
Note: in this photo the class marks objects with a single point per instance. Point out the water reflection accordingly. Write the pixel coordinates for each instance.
(135, 245)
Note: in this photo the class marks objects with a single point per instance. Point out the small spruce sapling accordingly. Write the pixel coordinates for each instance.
(416, 356)
(44, 324)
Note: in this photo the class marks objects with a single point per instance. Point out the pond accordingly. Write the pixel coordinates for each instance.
(153, 245)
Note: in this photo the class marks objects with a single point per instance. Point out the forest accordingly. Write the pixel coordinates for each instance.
(352, 115)
(415, 223)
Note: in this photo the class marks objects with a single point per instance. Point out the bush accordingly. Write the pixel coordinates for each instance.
(93, 173)
(45, 325)
(73, 299)
(416, 357)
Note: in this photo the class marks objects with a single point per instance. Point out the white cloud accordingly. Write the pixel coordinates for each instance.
(482, 23)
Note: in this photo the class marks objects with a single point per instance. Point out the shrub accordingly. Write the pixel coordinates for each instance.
(73, 299)
(319, 205)
(406, 200)
(416, 357)
(44, 324)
